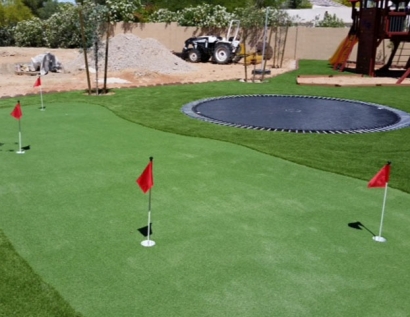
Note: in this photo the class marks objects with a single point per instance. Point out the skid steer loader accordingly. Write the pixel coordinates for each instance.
(221, 50)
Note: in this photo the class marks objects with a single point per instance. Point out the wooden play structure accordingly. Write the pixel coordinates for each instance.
(373, 22)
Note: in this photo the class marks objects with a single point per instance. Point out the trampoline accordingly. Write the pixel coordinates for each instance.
(297, 114)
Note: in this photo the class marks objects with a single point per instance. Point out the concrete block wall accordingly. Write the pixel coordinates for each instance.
(301, 42)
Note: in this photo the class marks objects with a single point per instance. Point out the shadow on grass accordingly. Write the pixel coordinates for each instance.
(144, 230)
(358, 225)
(23, 148)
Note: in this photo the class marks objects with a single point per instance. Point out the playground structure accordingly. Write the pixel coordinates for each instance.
(373, 22)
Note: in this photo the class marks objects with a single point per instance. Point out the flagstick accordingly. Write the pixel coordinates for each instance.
(379, 238)
(148, 242)
(20, 151)
(41, 98)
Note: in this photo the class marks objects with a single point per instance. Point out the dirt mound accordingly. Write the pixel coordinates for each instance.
(133, 63)
(129, 52)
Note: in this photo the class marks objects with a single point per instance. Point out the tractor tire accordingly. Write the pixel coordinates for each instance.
(193, 55)
(222, 54)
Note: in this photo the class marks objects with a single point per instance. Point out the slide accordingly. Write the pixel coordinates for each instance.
(342, 53)
(335, 55)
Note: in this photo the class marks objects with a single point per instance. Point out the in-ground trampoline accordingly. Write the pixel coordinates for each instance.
(299, 114)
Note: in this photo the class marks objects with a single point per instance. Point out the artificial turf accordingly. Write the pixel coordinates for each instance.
(238, 231)
(23, 292)
(355, 155)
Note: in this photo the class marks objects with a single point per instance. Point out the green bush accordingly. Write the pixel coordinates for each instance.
(331, 21)
(6, 36)
(216, 16)
(163, 15)
(298, 4)
(30, 33)
(122, 10)
(205, 15)
(62, 28)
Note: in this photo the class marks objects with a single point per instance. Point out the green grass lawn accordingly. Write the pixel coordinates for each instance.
(247, 223)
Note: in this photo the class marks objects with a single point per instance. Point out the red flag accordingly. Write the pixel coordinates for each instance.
(38, 82)
(146, 179)
(17, 113)
(381, 178)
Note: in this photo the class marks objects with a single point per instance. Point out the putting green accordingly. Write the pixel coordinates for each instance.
(237, 232)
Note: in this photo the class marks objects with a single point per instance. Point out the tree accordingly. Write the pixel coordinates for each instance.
(33, 5)
(230, 5)
(12, 12)
(6, 32)
(62, 28)
(298, 4)
(117, 10)
(48, 9)
(251, 19)
(97, 16)
(42, 8)
(346, 3)
(2, 15)
(330, 21)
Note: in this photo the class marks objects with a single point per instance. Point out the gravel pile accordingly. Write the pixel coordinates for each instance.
(127, 51)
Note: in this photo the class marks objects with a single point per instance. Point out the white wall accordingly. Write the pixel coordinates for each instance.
(307, 16)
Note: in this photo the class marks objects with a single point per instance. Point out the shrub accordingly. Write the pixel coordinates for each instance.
(30, 33)
(205, 15)
(164, 15)
(6, 36)
(122, 10)
(298, 4)
(62, 28)
(330, 21)
(216, 16)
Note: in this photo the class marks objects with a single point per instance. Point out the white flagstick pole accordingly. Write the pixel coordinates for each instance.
(148, 242)
(41, 98)
(20, 151)
(149, 214)
(379, 238)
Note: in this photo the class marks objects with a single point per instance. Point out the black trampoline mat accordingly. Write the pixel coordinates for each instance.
(297, 114)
